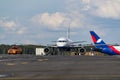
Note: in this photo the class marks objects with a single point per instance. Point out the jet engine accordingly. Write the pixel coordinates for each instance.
(48, 50)
(82, 50)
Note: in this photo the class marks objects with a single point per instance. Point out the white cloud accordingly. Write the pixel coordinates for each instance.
(54, 20)
(7, 24)
(59, 20)
(110, 9)
(12, 26)
(103, 8)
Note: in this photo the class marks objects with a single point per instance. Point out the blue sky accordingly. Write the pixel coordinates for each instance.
(43, 21)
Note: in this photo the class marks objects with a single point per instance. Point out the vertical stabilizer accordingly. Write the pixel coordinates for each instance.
(68, 33)
(99, 43)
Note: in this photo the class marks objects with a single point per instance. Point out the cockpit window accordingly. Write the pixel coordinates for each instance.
(62, 41)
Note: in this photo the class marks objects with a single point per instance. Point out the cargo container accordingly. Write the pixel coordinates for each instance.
(40, 51)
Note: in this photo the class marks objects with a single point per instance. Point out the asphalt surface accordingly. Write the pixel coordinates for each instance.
(59, 67)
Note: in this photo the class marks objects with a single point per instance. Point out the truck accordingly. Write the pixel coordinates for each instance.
(15, 50)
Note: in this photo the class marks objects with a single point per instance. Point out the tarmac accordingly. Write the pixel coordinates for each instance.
(16, 67)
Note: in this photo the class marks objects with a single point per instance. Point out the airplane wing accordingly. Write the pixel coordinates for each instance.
(54, 41)
(51, 45)
(78, 42)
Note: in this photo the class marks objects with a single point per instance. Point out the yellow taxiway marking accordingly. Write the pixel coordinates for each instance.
(42, 59)
(45, 59)
(10, 64)
(1, 56)
(24, 62)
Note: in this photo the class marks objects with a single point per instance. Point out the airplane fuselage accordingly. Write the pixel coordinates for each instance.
(112, 50)
(101, 46)
(63, 42)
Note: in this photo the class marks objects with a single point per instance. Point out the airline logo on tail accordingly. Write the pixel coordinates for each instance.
(101, 46)
(96, 39)
(99, 41)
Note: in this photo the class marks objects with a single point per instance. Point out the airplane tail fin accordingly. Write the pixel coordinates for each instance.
(99, 43)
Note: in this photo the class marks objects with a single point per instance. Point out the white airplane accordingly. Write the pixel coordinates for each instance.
(65, 44)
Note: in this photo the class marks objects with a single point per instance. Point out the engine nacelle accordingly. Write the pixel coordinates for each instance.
(82, 51)
(48, 50)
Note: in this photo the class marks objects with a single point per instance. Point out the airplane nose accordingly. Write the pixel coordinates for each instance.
(61, 44)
